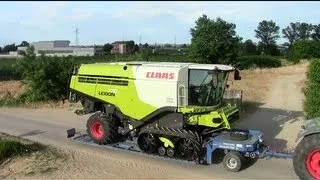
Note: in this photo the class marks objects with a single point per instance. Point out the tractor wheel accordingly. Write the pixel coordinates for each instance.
(306, 161)
(102, 129)
(233, 161)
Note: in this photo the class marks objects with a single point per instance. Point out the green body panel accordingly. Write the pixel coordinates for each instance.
(166, 142)
(204, 115)
(125, 96)
(106, 70)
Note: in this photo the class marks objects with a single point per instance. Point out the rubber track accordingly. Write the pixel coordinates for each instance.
(176, 133)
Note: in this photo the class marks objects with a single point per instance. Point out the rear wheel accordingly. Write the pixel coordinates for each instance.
(306, 161)
(103, 129)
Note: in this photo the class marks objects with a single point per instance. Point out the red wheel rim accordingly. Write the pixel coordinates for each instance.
(313, 163)
(97, 130)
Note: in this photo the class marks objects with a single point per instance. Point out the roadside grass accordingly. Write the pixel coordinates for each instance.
(27, 158)
(11, 146)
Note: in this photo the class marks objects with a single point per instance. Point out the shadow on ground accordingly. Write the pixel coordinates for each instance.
(31, 133)
(270, 121)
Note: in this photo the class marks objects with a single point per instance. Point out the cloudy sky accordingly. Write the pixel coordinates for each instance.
(156, 22)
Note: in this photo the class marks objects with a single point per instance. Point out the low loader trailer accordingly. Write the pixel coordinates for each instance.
(240, 146)
(173, 110)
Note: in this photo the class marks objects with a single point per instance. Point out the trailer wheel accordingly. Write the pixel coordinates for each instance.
(306, 160)
(233, 161)
(239, 134)
(103, 130)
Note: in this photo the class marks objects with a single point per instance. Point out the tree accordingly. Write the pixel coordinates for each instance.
(29, 53)
(136, 48)
(268, 33)
(130, 46)
(107, 48)
(304, 31)
(297, 31)
(10, 47)
(24, 44)
(0, 50)
(249, 48)
(316, 32)
(214, 41)
(168, 45)
(291, 33)
(146, 45)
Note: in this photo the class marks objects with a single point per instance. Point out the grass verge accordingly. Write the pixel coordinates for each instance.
(22, 158)
(10, 148)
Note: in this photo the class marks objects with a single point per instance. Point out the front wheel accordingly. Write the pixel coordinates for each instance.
(306, 161)
(233, 161)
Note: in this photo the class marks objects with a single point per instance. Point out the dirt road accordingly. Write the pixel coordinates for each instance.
(280, 119)
(281, 116)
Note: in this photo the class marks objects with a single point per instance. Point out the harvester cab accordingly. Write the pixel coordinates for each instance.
(156, 102)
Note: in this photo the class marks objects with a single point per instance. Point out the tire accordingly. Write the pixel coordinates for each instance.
(233, 161)
(239, 134)
(307, 149)
(102, 129)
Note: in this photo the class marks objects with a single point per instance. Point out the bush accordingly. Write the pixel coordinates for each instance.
(7, 71)
(306, 49)
(312, 91)
(47, 77)
(246, 62)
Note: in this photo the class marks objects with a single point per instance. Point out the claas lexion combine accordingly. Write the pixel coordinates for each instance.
(168, 109)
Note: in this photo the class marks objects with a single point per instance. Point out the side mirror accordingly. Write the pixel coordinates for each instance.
(237, 75)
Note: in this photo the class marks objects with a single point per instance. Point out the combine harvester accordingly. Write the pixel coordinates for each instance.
(173, 110)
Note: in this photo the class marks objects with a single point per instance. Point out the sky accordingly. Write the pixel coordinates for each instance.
(156, 22)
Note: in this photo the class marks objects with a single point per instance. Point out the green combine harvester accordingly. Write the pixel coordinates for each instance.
(171, 108)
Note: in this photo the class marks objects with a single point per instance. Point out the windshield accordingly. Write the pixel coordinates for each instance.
(206, 87)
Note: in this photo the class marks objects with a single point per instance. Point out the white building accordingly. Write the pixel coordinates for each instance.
(62, 48)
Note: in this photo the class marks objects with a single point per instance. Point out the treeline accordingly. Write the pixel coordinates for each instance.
(216, 41)
(301, 39)
(13, 47)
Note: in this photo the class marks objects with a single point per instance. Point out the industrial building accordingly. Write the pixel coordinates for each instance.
(62, 48)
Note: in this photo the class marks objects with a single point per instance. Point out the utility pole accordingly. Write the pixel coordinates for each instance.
(77, 40)
(174, 40)
(139, 39)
